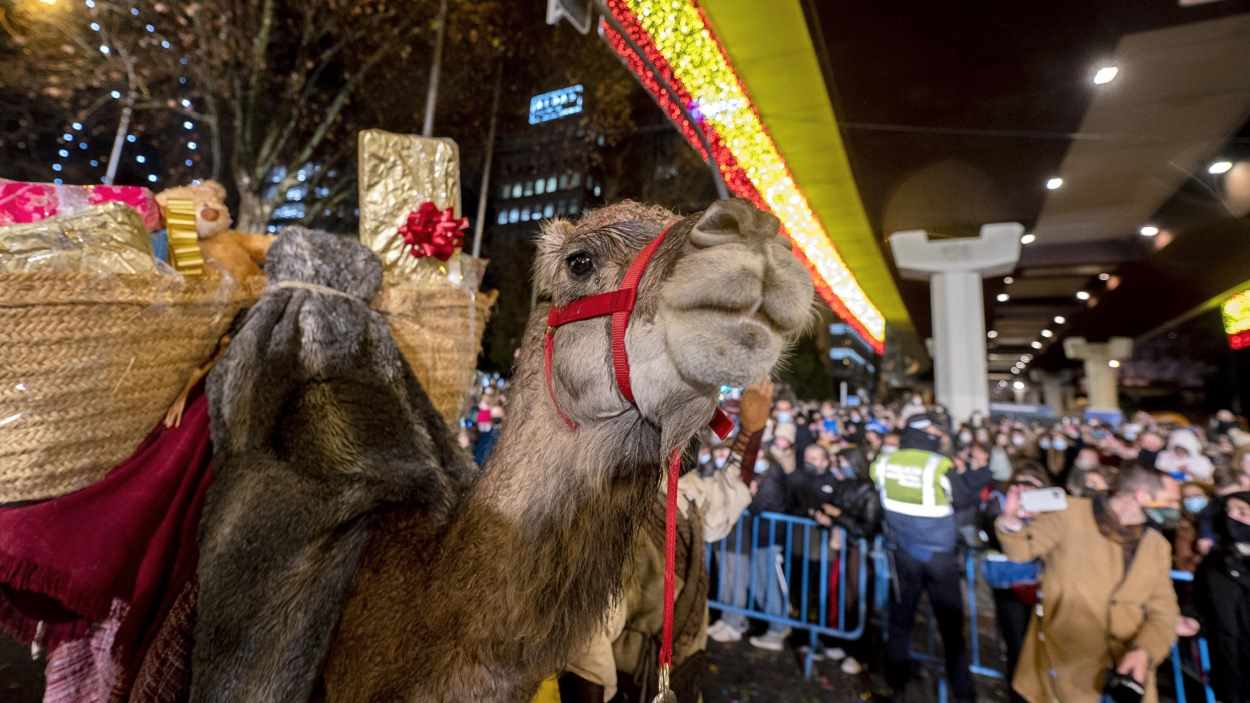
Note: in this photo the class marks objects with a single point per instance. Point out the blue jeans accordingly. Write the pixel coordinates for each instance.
(766, 584)
(735, 569)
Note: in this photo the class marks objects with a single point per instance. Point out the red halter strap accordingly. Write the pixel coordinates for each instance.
(620, 305)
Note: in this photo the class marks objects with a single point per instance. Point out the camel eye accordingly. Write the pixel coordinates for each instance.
(580, 264)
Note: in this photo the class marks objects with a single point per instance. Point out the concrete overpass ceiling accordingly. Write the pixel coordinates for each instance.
(956, 117)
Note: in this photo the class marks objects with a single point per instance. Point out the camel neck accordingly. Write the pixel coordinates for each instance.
(559, 509)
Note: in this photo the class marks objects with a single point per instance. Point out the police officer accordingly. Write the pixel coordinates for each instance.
(920, 492)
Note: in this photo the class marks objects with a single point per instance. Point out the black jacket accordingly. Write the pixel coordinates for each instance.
(772, 493)
(1222, 597)
(857, 498)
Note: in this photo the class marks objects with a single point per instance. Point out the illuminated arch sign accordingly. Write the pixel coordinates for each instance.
(675, 53)
(1236, 314)
(556, 104)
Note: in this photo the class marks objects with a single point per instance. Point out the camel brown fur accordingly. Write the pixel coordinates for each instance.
(486, 608)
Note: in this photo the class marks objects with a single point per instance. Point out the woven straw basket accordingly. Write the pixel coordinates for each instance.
(439, 331)
(89, 364)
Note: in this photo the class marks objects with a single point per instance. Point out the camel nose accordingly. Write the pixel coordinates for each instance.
(728, 221)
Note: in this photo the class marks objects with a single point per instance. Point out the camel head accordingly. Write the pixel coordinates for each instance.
(717, 306)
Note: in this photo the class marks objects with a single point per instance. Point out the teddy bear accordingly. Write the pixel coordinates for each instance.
(239, 254)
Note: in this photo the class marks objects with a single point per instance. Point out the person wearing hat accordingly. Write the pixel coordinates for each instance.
(920, 491)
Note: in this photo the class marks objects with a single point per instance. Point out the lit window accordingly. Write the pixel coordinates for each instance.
(513, 214)
(503, 217)
(574, 208)
(525, 214)
(516, 190)
(551, 184)
(504, 191)
(598, 191)
(549, 210)
(540, 186)
(564, 181)
(529, 187)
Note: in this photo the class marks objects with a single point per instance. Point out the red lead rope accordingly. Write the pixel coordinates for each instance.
(620, 305)
(670, 563)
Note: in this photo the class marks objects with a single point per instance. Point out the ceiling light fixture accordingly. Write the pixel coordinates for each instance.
(1115, 364)
(1060, 319)
(1218, 167)
(1026, 358)
(1105, 74)
(1054, 183)
(1147, 231)
(992, 334)
(1009, 280)
(1036, 344)
(1047, 334)
(1003, 297)
(1028, 239)
(1015, 370)
(1082, 295)
(1104, 276)
(1018, 385)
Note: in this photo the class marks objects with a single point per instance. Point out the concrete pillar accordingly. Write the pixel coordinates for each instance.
(1100, 375)
(954, 269)
(1054, 389)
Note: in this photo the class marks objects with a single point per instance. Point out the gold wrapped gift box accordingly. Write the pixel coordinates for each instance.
(396, 173)
(108, 238)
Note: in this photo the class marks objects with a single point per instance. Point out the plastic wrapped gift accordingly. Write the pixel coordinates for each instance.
(104, 239)
(22, 202)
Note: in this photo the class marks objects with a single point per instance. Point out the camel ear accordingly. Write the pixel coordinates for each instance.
(727, 221)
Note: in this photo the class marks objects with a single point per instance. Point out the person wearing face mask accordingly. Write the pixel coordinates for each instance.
(806, 486)
(705, 461)
(920, 501)
(1222, 597)
(1108, 602)
(1195, 497)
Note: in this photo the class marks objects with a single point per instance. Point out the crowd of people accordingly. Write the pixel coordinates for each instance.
(1080, 524)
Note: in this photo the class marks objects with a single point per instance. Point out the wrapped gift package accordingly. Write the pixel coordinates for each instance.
(22, 202)
(102, 239)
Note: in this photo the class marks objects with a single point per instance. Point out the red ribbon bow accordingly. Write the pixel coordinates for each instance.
(433, 233)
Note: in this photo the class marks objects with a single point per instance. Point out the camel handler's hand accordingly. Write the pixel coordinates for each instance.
(1136, 664)
(756, 405)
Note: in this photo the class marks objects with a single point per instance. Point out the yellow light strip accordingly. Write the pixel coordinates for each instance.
(678, 31)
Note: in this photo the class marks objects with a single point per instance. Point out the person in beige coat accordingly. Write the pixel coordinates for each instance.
(1094, 616)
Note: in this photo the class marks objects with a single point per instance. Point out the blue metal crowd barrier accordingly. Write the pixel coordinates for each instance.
(1202, 675)
(787, 541)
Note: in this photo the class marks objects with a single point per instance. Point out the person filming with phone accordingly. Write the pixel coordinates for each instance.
(1108, 611)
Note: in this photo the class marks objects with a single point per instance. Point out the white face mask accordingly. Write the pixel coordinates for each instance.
(705, 457)
(965, 437)
(888, 449)
(761, 465)
(720, 463)
(1017, 440)
(1060, 444)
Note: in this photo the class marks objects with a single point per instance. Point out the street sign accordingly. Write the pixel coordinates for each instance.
(556, 104)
